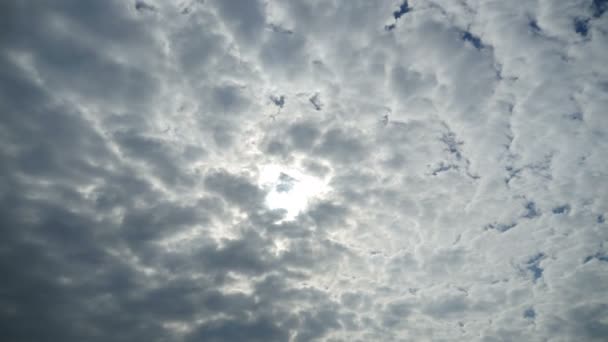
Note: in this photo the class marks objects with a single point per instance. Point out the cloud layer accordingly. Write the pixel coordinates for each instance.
(464, 144)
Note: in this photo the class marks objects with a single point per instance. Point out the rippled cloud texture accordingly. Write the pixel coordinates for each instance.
(462, 148)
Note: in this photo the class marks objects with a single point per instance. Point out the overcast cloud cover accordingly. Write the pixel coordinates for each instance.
(462, 144)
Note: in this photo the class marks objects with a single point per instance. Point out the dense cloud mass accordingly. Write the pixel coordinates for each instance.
(260, 170)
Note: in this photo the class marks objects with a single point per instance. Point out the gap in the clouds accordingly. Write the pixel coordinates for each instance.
(581, 26)
(531, 210)
(501, 227)
(403, 9)
(530, 313)
(315, 100)
(474, 40)
(576, 116)
(534, 26)
(533, 265)
(562, 209)
(600, 256)
(290, 189)
(599, 7)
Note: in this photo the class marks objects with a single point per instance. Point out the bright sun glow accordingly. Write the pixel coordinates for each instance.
(290, 189)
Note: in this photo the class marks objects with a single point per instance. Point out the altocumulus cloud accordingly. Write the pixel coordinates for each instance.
(453, 156)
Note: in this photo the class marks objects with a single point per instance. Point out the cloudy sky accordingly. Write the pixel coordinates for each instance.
(257, 170)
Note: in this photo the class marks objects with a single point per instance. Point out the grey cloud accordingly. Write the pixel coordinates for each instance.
(196, 48)
(152, 223)
(285, 52)
(303, 135)
(248, 254)
(134, 137)
(583, 321)
(316, 168)
(228, 98)
(316, 324)
(396, 312)
(153, 152)
(341, 147)
(246, 18)
(409, 82)
(70, 62)
(235, 189)
(447, 306)
(277, 148)
(328, 214)
(262, 329)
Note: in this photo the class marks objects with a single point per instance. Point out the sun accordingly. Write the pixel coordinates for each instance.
(290, 189)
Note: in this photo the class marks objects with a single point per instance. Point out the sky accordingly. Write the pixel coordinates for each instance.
(320, 170)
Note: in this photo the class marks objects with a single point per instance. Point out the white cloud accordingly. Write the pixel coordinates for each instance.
(442, 165)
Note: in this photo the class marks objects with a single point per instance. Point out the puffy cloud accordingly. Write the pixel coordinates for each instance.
(453, 156)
